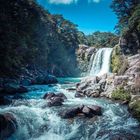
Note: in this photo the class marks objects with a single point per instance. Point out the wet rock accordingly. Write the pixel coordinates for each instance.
(13, 89)
(8, 125)
(48, 95)
(61, 95)
(52, 94)
(95, 94)
(70, 113)
(71, 89)
(87, 112)
(96, 110)
(55, 101)
(83, 110)
(79, 95)
(26, 82)
(49, 79)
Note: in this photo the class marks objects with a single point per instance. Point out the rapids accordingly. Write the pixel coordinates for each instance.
(36, 121)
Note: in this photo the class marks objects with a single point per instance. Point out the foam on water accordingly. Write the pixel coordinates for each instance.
(36, 121)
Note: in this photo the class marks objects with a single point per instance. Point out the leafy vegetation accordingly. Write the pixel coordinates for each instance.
(128, 13)
(31, 37)
(121, 94)
(99, 39)
(118, 62)
(135, 109)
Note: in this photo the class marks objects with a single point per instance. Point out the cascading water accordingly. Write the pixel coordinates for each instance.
(36, 121)
(101, 62)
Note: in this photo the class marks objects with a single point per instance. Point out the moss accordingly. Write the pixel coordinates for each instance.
(118, 61)
(135, 109)
(121, 94)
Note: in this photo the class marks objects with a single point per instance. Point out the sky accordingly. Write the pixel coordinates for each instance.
(89, 15)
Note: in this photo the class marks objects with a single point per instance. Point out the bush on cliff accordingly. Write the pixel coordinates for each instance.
(121, 94)
(135, 109)
(119, 63)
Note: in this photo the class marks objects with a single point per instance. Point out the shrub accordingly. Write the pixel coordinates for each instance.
(121, 94)
(135, 109)
(119, 63)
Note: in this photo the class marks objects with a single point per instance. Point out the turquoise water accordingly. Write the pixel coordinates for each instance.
(36, 121)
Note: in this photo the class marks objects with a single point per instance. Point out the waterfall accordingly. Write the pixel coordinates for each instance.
(101, 62)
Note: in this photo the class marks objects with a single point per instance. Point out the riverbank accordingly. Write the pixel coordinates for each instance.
(124, 88)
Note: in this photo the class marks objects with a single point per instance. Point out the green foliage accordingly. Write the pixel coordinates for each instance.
(102, 39)
(119, 63)
(128, 13)
(116, 60)
(121, 94)
(135, 109)
(31, 35)
(98, 39)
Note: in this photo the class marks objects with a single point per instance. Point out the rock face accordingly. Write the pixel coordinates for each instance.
(41, 80)
(91, 87)
(87, 111)
(108, 85)
(84, 54)
(13, 89)
(8, 125)
(54, 99)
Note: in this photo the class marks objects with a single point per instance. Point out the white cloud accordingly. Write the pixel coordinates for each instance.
(62, 1)
(95, 1)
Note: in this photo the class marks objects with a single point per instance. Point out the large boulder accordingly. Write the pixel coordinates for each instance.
(49, 95)
(70, 113)
(55, 99)
(8, 125)
(87, 112)
(96, 110)
(84, 110)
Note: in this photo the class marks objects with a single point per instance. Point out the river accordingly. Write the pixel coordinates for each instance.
(36, 121)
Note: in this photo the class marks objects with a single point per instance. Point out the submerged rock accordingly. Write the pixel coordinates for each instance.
(8, 125)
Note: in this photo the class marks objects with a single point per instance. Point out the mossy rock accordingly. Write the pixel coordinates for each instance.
(121, 94)
(118, 62)
(135, 109)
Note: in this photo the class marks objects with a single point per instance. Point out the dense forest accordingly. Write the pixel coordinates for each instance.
(32, 39)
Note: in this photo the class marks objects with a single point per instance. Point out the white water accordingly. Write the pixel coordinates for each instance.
(101, 62)
(37, 122)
